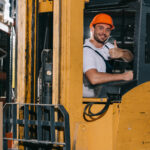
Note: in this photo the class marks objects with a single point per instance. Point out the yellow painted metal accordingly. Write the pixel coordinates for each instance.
(102, 133)
(94, 135)
(71, 60)
(21, 46)
(21, 34)
(26, 56)
(99, 134)
(35, 50)
(119, 129)
(27, 61)
(56, 51)
(45, 6)
(134, 122)
(30, 51)
(84, 135)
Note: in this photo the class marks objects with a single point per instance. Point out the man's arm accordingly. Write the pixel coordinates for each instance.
(96, 77)
(121, 53)
(127, 55)
(117, 52)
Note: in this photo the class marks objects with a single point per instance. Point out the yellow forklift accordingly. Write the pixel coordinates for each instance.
(48, 110)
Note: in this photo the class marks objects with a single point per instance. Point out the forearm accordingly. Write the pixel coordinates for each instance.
(121, 53)
(100, 77)
(127, 55)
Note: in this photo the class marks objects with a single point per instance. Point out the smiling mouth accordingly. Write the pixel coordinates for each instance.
(103, 37)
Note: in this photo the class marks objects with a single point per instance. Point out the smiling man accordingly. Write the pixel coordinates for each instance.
(96, 53)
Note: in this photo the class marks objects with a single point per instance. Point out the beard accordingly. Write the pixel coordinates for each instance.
(98, 40)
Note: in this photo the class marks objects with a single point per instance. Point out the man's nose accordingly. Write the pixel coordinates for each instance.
(104, 31)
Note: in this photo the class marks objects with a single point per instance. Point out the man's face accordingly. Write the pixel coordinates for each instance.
(101, 32)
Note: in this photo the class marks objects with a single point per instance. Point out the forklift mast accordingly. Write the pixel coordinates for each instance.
(49, 110)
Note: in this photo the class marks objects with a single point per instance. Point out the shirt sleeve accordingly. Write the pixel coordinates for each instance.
(88, 60)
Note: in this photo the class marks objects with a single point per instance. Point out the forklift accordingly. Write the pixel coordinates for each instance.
(48, 110)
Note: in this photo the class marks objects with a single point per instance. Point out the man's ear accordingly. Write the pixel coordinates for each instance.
(92, 29)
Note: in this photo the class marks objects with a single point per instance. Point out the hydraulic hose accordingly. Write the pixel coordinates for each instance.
(88, 109)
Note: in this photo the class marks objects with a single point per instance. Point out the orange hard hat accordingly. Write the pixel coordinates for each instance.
(102, 18)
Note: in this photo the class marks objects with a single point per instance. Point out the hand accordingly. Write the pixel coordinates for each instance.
(115, 52)
(127, 76)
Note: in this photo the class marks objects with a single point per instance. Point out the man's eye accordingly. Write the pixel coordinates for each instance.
(101, 28)
(108, 30)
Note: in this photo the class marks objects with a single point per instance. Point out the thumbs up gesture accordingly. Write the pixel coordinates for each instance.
(115, 44)
(115, 52)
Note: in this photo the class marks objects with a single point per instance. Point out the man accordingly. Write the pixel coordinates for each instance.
(96, 53)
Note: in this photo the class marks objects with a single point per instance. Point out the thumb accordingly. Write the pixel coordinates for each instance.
(115, 44)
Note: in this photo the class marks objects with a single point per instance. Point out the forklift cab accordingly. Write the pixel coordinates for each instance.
(132, 21)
